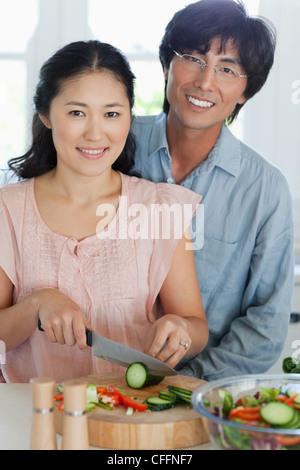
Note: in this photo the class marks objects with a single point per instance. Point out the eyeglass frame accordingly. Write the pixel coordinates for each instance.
(204, 65)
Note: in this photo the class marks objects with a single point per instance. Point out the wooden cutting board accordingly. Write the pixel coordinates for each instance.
(178, 427)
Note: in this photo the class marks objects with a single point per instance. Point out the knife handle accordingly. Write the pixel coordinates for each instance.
(89, 337)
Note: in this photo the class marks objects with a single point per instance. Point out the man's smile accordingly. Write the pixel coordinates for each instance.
(201, 103)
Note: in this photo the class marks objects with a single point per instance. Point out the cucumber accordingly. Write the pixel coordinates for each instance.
(156, 403)
(168, 396)
(294, 423)
(138, 376)
(181, 393)
(278, 414)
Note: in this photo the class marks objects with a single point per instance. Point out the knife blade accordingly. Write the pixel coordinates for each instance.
(124, 356)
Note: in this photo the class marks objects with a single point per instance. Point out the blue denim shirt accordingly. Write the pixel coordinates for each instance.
(245, 267)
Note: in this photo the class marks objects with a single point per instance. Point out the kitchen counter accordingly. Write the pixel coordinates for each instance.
(16, 416)
(16, 405)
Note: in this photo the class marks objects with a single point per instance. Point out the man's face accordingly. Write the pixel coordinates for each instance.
(200, 99)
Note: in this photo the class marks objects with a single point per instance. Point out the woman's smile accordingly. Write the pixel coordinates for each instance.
(92, 154)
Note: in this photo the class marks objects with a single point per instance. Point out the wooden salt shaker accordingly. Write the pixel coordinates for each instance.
(43, 434)
(75, 426)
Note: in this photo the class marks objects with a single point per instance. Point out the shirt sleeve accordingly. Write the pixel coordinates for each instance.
(8, 244)
(256, 337)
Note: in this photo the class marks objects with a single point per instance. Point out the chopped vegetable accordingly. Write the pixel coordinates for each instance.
(157, 403)
(101, 404)
(168, 396)
(128, 401)
(109, 397)
(101, 390)
(291, 365)
(181, 393)
(245, 413)
(138, 376)
(61, 406)
(277, 413)
(227, 401)
(59, 397)
(273, 408)
(91, 394)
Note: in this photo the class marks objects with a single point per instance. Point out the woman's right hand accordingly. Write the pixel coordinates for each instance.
(61, 319)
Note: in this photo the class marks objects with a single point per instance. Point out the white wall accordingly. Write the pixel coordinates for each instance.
(272, 118)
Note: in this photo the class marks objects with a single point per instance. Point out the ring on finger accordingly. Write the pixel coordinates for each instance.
(185, 345)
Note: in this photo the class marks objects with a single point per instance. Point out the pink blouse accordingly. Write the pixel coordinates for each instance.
(114, 276)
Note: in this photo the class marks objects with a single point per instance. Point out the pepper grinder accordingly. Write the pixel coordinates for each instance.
(43, 434)
(75, 426)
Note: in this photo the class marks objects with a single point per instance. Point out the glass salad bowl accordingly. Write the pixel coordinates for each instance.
(251, 412)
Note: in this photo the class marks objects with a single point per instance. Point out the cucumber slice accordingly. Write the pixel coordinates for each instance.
(278, 414)
(138, 376)
(168, 396)
(181, 393)
(294, 424)
(158, 404)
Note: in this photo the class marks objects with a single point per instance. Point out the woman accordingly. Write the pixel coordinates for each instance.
(69, 257)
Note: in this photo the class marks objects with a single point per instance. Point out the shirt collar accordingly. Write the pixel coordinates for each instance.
(226, 154)
(158, 137)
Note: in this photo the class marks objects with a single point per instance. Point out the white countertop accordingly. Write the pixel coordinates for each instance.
(16, 416)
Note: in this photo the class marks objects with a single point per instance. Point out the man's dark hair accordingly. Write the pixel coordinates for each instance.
(194, 27)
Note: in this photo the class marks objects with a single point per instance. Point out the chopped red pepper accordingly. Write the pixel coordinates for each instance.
(128, 401)
(290, 400)
(247, 413)
(281, 397)
(59, 397)
(101, 389)
(113, 397)
(286, 440)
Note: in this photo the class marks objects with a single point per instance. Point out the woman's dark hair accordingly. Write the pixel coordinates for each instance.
(72, 60)
(194, 27)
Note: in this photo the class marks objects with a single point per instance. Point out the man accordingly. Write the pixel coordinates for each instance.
(215, 57)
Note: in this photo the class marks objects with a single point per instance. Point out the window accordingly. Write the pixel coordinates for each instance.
(13, 73)
(137, 29)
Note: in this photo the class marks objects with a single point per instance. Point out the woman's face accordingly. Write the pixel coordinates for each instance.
(90, 121)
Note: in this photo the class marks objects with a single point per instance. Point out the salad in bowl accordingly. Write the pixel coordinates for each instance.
(251, 412)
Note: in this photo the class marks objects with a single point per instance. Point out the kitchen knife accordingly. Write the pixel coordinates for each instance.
(124, 356)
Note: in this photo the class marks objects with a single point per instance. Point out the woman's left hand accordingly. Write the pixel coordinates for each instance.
(168, 339)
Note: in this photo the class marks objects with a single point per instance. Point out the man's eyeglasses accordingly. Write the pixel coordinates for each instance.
(223, 73)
